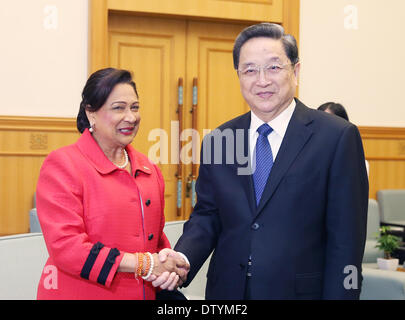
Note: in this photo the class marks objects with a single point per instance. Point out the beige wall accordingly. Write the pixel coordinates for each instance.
(44, 66)
(43, 56)
(362, 68)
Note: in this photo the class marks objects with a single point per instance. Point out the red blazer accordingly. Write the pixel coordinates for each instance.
(91, 212)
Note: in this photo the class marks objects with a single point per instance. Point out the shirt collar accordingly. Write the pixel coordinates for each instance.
(278, 124)
(92, 151)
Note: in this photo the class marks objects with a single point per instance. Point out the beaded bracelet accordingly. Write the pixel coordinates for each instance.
(147, 265)
(136, 264)
(139, 266)
(152, 264)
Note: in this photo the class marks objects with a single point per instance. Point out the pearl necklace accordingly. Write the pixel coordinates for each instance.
(126, 161)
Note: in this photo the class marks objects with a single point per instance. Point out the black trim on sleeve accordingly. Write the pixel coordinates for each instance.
(91, 259)
(108, 263)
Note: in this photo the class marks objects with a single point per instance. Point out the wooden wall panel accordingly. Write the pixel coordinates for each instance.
(98, 35)
(24, 144)
(26, 141)
(240, 10)
(285, 12)
(385, 151)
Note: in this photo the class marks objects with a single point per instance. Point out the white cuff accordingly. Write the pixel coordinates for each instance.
(184, 257)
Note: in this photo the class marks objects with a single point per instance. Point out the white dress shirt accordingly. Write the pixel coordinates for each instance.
(279, 126)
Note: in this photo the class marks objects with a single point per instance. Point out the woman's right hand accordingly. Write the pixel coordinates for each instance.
(169, 272)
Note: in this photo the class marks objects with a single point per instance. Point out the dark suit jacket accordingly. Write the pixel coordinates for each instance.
(308, 227)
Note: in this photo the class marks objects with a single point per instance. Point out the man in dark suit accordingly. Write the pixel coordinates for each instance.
(282, 191)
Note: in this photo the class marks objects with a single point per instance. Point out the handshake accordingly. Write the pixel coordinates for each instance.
(170, 269)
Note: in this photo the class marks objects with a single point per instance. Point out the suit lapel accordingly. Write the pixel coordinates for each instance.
(247, 183)
(243, 170)
(295, 138)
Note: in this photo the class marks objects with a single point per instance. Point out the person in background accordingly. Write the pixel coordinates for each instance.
(294, 226)
(334, 108)
(101, 203)
(340, 111)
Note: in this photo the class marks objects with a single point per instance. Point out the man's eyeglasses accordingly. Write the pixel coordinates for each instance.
(253, 71)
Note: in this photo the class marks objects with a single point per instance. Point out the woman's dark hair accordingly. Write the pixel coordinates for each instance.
(335, 108)
(268, 30)
(96, 91)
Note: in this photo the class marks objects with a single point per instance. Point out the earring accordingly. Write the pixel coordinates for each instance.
(91, 129)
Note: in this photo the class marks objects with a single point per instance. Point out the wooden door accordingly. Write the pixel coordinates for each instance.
(154, 50)
(159, 52)
(210, 60)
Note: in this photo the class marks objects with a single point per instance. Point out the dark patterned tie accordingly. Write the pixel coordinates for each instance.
(264, 160)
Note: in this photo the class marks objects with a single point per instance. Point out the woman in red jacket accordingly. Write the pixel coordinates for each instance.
(101, 203)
